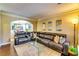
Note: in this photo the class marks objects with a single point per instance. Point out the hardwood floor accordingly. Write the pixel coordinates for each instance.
(7, 50)
(35, 49)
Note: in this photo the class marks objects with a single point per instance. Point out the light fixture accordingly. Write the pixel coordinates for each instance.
(75, 21)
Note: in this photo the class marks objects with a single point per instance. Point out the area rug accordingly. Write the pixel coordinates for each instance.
(35, 49)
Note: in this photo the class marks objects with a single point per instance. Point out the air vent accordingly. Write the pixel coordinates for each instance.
(59, 3)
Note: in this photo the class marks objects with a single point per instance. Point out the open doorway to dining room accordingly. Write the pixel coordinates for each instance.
(20, 25)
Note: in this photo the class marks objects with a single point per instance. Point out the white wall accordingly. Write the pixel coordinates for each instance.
(6, 25)
(0, 26)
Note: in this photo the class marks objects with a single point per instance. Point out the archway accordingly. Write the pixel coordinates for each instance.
(20, 25)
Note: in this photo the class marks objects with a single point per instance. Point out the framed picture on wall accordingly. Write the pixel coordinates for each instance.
(44, 26)
(50, 26)
(58, 25)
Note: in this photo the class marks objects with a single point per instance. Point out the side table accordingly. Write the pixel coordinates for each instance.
(70, 53)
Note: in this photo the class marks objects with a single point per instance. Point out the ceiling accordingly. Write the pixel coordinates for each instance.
(37, 10)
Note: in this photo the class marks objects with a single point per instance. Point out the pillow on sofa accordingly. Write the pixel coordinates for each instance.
(62, 40)
(56, 39)
(34, 35)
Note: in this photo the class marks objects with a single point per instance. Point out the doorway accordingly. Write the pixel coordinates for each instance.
(20, 25)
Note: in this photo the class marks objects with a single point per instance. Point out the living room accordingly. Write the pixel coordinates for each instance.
(50, 21)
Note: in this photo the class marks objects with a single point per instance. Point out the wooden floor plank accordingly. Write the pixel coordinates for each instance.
(7, 50)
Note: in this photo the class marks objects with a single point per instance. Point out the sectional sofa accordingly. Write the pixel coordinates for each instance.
(54, 41)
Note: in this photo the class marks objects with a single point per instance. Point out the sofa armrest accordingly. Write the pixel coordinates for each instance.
(16, 41)
(65, 48)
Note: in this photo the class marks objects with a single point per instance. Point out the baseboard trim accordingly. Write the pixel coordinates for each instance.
(3, 44)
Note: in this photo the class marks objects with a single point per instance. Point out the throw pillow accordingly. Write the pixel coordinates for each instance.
(56, 39)
(34, 35)
(62, 40)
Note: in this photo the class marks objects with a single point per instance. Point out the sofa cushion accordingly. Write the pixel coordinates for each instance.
(21, 36)
(49, 37)
(55, 45)
(52, 38)
(22, 39)
(41, 35)
(56, 39)
(44, 40)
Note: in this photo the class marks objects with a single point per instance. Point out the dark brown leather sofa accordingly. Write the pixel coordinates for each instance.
(22, 37)
(47, 39)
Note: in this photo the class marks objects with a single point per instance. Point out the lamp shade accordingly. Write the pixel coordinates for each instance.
(75, 21)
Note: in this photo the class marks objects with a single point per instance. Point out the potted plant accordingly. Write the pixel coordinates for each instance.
(73, 51)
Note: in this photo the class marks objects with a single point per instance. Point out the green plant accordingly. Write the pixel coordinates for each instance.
(74, 50)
